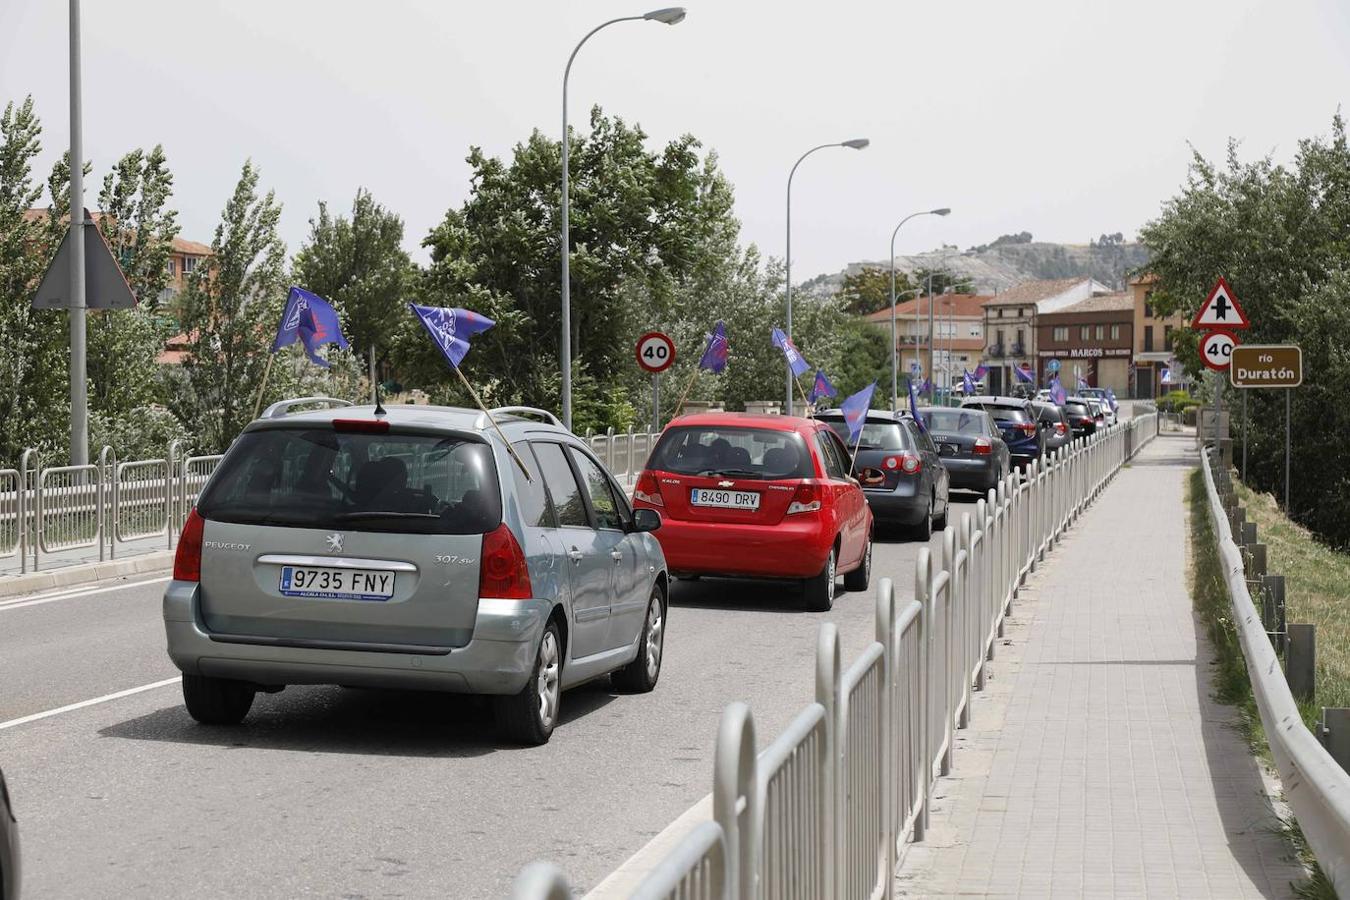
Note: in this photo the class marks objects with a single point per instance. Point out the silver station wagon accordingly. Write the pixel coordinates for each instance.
(415, 548)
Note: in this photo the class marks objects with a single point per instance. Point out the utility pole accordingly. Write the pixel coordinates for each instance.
(79, 396)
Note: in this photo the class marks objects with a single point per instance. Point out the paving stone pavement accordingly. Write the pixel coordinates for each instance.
(1097, 763)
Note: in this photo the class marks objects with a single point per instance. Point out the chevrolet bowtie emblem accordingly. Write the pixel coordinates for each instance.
(725, 483)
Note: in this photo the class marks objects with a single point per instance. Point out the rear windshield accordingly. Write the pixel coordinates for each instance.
(1048, 413)
(1075, 409)
(321, 478)
(875, 435)
(954, 421)
(1004, 413)
(725, 450)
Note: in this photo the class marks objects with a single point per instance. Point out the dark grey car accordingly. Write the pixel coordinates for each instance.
(909, 486)
(970, 446)
(9, 846)
(416, 548)
(1055, 423)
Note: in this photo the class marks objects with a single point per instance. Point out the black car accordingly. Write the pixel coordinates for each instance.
(973, 452)
(9, 846)
(1055, 422)
(1081, 419)
(1018, 424)
(898, 465)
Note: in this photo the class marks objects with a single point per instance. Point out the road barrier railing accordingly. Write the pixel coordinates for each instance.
(625, 454)
(1316, 788)
(828, 808)
(46, 511)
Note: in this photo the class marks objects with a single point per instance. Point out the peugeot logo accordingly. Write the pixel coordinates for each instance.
(334, 543)
(725, 483)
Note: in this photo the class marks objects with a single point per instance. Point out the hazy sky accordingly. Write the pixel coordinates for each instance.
(1066, 118)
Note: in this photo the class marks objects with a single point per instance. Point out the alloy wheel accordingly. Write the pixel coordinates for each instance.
(548, 683)
(655, 638)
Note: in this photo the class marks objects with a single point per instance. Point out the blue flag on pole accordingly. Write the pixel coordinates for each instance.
(1023, 374)
(1082, 382)
(715, 353)
(1057, 393)
(914, 404)
(1111, 397)
(822, 388)
(967, 383)
(980, 372)
(313, 320)
(855, 410)
(796, 361)
(451, 328)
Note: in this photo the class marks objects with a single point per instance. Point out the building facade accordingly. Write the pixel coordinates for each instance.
(1152, 356)
(1091, 340)
(958, 332)
(1010, 324)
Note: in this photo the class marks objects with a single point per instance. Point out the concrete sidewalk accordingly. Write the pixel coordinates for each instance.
(1097, 763)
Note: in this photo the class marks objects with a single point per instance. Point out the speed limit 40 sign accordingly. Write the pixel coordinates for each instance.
(1216, 349)
(655, 352)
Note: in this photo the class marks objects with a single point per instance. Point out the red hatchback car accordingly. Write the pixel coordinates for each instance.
(759, 497)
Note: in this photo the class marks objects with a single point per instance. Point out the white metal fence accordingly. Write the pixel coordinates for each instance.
(826, 809)
(623, 453)
(1315, 786)
(44, 511)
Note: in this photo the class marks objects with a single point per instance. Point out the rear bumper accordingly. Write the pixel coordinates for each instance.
(972, 474)
(904, 505)
(498, 659)
(790, 549)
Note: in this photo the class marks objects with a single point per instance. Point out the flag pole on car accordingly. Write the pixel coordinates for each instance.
(714, 359)
(451, 329)
(309, 318)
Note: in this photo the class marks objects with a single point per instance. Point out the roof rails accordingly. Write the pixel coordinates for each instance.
(482, 420)
(283, 407)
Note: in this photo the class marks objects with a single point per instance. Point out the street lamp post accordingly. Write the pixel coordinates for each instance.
(951, 331)
(669, 16)
(895, 352)
(854, 144)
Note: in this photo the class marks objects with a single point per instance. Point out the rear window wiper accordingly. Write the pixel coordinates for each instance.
(383, 514)
(743, 473)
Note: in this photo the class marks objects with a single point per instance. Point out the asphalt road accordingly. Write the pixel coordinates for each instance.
(326, 792)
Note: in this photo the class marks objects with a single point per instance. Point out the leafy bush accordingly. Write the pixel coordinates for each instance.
(141, 433)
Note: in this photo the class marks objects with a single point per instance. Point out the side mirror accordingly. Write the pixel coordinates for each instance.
(646, 520)
(871, 477)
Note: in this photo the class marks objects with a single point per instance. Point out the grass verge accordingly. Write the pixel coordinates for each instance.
(1231, 683)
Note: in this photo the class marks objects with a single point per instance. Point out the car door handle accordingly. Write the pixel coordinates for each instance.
(617, 556)
(575, 555)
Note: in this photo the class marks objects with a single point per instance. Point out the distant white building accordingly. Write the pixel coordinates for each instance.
(1010, 324)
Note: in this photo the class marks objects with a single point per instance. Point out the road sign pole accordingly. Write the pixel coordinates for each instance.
(1287, 510)
(1218, 407)
(656, 402)
(79, 399)
(1244, 435)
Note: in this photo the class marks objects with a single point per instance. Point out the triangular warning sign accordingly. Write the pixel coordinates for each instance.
(105, 286)
(1221, 310)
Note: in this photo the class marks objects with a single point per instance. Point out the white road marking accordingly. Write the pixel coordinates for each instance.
(12, 723)
(19, 602)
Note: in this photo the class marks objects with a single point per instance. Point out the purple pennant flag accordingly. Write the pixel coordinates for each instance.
(980, 372)
(855, 410)
(1023, 374)
(914, 405)
(796, 361)
(312, 320)
(715, 353)
(967, 383)
(1057, 393)
(451, 328)
(822, 388)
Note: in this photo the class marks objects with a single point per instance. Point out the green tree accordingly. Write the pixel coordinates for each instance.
(124, 345)
(1280, 235)
(869, 289)
(34, 408)
(645, 225)
(360, 265)
(942, 279)
(229, 308)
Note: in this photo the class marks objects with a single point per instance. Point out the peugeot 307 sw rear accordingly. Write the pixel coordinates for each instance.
(760, 497)
(412, 549)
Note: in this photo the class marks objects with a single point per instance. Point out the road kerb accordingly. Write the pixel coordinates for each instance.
(74, 576)
(623, 880)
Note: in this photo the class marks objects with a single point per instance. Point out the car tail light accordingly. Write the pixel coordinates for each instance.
(647, 490)
(806, 499)
(1061, 429)
(187, 560)
(502, 571)
(362, 426)
(892, 462)
(1027, 428)
(910, 463)
(983, 446)
(1086, 420)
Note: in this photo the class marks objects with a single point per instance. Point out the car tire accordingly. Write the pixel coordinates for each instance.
(640, 675)
(529, 717)
(941, 521)
(923, 529)
(859, 578)
(819, 590)
(217, 701)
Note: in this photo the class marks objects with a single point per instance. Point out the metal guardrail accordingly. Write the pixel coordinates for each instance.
(625, 454)
(103, 504)
(827, 808)
(1316, 788)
